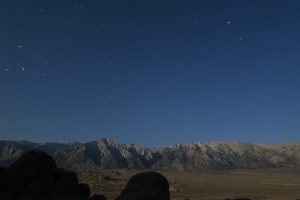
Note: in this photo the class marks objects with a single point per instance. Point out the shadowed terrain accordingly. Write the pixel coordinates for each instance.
(255, 184)
(35, 176)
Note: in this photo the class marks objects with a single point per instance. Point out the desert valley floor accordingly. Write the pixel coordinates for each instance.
(271, 184)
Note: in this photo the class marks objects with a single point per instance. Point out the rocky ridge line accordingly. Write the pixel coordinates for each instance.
(108, 154)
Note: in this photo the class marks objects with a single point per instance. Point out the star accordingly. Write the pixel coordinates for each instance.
(23, 68)
(6, 69)
(78, 6)
(20, 46)
(228, 22)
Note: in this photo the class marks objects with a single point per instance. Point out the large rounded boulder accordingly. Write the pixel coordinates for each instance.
(146, 185)
(35, 176)
(33, 168)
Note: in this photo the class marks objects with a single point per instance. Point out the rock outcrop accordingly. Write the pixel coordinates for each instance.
(146, 186)
(35, 176)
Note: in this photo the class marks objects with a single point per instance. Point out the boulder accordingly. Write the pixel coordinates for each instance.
(35, 176)
(66, 185)
(147, 185)
(83, 190)
(98, 197)
(33, 167)
(3, 180)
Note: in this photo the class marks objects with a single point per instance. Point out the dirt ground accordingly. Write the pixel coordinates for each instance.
(262, 184)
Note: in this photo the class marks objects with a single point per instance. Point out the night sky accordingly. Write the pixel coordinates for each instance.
(150, 72)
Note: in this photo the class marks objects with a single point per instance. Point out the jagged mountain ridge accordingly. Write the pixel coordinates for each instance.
(106, 153)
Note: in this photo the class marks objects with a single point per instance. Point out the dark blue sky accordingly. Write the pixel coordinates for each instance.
(150, 72)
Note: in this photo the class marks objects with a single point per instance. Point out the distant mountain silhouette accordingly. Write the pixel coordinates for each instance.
(108, 154)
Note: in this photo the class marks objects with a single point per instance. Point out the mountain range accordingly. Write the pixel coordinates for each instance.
(108, 154)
